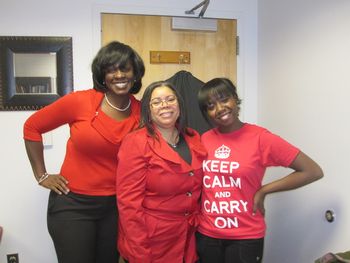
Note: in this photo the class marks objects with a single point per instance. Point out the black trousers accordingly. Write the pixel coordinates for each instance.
(83, 228)
(212, 250)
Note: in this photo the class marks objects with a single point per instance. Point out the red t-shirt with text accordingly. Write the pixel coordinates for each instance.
(233, 172)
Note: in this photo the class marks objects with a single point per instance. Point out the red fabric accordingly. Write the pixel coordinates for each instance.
(157, 215)
(91, 154)
(233, 172)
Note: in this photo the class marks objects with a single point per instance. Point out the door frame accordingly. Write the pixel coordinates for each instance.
(242, 78)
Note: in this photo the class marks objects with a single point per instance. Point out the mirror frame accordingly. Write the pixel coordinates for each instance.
(62, 46)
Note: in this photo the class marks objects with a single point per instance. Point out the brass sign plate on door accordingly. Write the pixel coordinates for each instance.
(172, 57)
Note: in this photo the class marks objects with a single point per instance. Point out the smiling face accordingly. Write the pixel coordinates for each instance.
(119, 80)
(223, 112)
(164, 107)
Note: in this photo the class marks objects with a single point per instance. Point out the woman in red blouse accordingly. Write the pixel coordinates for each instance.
(82, 213)
(159, 182)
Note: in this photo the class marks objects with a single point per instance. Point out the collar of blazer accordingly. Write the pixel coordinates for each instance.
(163, 150)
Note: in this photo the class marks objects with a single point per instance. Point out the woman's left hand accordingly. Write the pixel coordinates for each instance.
(259, 199)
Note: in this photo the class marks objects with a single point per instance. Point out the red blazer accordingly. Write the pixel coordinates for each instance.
(158, 199)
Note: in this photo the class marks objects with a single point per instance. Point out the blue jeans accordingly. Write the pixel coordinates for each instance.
(213, 250)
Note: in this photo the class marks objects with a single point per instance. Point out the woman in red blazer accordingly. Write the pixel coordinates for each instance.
(159, 180)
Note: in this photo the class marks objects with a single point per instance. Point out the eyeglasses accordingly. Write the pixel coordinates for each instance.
(158, 102)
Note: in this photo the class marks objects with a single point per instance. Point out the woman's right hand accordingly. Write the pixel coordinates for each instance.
(57, 183)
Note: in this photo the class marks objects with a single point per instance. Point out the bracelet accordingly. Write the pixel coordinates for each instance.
(43, 177)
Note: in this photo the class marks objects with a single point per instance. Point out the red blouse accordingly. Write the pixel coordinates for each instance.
(90, 162)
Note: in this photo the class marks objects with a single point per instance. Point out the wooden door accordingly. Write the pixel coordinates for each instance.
(212, 54)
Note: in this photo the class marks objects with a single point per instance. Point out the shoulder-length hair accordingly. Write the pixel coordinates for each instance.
(217, 88)
(146, 120)
(116, 54)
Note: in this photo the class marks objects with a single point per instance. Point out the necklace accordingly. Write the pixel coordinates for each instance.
(174, 145)
(176, 140)
(116, 108)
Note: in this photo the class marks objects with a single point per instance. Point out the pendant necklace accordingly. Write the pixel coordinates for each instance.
(116, 108)
(177, 138)
(174, 145)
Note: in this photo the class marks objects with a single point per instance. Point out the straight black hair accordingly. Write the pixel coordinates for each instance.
(217, 88)
(118, 55)
(146, 120)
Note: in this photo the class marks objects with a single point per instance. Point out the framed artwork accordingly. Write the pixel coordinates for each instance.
(34, 71)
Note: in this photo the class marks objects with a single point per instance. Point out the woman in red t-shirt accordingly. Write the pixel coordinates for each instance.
(232, 226)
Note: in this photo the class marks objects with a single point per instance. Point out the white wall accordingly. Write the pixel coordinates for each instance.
(303, 96)
(304, 62)
(22, 202)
